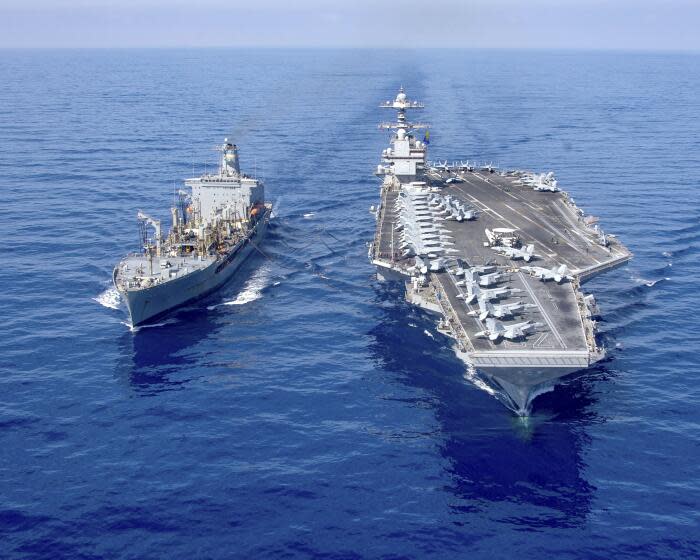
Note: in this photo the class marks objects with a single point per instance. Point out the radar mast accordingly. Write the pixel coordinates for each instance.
(406, 156)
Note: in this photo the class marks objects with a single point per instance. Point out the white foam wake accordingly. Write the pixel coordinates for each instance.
(276, 208)
(134, 329)
(649, 283)
(471, 376)
(252, 289)
(109, 298)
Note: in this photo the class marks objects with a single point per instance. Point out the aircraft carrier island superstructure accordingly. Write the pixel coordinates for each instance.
(214, 229)
(499, 256)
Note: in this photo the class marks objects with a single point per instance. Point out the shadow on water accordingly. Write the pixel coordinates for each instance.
(494, 458)
(162, 357)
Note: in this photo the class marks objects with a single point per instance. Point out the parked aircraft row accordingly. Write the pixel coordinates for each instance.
(451, 208)
(474, 280)
(420, 231)
(437, 166)
(495, 330)
(500, 311)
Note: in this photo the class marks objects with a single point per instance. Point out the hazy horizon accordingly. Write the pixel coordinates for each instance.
(629, 25)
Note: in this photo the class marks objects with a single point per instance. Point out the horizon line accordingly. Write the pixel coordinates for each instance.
(657, 50)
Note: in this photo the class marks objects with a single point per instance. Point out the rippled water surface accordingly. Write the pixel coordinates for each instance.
(306, 410)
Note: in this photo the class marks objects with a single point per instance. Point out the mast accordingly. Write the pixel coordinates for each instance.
(406, 156)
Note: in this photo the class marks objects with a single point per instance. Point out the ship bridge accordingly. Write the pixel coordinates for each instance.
(228, 187)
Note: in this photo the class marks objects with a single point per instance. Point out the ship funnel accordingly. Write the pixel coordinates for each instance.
(229, 160)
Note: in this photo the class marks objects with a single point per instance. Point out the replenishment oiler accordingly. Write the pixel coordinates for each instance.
(215, 227)
(499, 256)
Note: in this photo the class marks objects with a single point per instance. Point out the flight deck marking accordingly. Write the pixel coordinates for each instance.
(518, 228)
(575, 227)
(546, 317)
(551, 229)
(482, 205)
(561, 214)
(520, 199)
(543, 341)
(511, 208)
(496, 185)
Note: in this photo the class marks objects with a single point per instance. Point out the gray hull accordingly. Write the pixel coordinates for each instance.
(518, 378)
(521, 386)
(144, 305)
(523, 377)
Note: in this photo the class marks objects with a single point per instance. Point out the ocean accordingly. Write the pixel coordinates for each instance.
(306, 410)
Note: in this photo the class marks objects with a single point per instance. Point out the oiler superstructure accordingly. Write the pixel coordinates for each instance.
(214, 227)
(500, 257)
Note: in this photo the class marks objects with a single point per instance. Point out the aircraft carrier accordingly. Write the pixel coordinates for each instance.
(499, 256)
(215, 227)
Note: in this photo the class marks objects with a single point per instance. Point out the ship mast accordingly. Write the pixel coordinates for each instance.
(401, 104)
(406, 156)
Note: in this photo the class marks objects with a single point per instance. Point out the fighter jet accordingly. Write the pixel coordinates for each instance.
(461, 215)
(502, 237)
(497, 293)
(527, 253)
(545, 182)
(526, 179)
(543, 187)
(503, 311)
(488, 279)
(558, 274)
(420, 266)
(437, 265)
(465, 166)
(440, 166)
(474, 292)
(495, 330)
(484, 269)
(460, 267)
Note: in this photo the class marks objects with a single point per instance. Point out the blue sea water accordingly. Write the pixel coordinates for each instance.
(307, 411)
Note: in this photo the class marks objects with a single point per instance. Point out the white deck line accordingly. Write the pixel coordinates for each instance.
(544, 314)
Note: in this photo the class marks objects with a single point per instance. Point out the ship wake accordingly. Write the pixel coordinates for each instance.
(109, 298)
(252, 290)
(138, 328)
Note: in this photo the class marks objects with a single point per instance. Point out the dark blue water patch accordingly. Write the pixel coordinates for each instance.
(306, 410)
